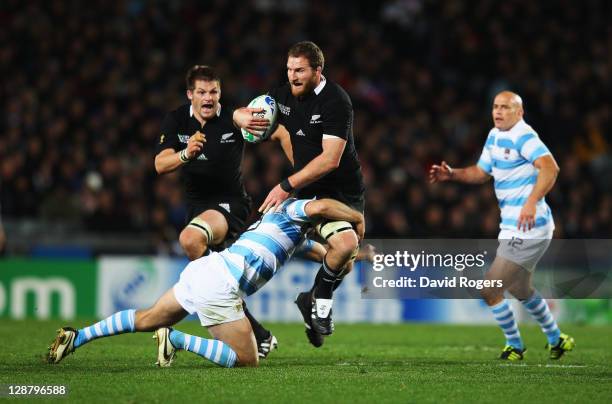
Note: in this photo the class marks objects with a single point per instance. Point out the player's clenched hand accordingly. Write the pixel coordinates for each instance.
(195, 144)
(439, 173)
(526, 220)
(274, 198)
(244, 118)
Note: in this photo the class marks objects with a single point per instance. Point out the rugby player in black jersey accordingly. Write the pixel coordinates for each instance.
(317, 115)
(201, 140)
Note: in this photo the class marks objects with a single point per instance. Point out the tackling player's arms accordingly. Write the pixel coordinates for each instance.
(336, 211)
(311, 250)
(316, 252)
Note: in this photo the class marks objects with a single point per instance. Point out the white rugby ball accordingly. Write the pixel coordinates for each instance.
(269, 112)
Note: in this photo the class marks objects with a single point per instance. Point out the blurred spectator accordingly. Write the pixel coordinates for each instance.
(87, 83)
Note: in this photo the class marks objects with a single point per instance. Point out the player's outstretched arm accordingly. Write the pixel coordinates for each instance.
(169, 160)
(334, 210)
(470, 175)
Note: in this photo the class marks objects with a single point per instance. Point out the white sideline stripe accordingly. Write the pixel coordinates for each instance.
(98, 329)
(468, 348)
(539, 365)
(209, 345)
(480, 364)
(198, 342)
(118, 321)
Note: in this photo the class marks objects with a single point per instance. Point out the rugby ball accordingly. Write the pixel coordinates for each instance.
(269, 112)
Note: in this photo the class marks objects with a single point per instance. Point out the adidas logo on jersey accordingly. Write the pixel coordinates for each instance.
(300, 133)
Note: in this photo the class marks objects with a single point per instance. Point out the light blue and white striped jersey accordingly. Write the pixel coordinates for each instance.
(508, 156)
(260, 251)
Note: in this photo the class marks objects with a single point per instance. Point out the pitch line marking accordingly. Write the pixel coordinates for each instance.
(539, 365)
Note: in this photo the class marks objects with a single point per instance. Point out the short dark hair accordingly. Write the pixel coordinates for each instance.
(200, 72)
(310, 51)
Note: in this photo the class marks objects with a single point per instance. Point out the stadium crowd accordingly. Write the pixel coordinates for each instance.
(86, 86)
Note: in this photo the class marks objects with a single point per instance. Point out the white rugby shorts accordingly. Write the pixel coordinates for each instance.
(207, 288)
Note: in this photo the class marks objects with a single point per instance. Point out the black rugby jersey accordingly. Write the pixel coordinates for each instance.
(217, 171)
(307, 119)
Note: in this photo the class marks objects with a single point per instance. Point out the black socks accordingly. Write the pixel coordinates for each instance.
(260, 332)
(325, 282)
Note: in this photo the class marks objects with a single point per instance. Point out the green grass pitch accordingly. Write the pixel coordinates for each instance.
(360, 363)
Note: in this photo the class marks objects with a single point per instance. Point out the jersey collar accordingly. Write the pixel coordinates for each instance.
(319, 88)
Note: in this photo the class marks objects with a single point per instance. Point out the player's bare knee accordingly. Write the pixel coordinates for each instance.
(193, 243)
(343, 244)
(344, 241)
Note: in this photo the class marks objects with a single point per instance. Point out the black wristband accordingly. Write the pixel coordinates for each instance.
(286, 185)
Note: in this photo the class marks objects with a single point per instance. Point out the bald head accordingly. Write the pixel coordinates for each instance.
(507, 110)
(511, 97)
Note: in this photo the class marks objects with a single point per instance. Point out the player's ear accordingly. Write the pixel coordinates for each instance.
(189, 94)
